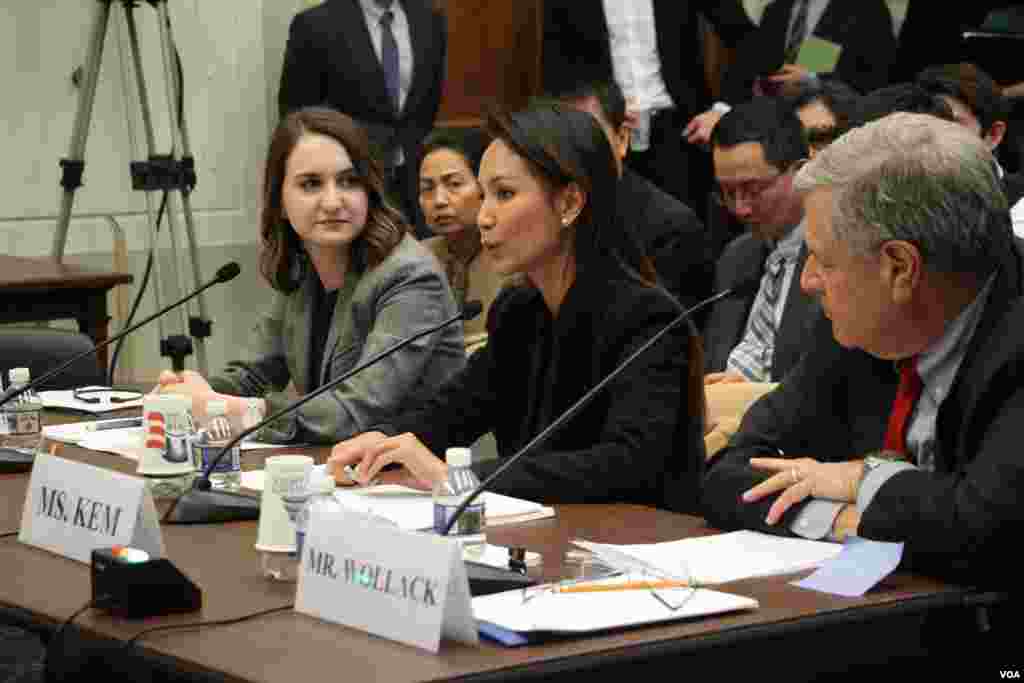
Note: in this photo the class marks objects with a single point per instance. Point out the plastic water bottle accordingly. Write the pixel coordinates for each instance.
(21, 418)
(449, 494)
(321, 497)
(209, 442)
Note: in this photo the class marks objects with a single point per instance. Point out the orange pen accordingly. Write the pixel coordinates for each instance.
(625, 586)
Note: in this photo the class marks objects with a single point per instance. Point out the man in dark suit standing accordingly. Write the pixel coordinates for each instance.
(903, 422)
(670, 233)
(382, 62)
(759, 338)
(652, 49)
(767, 63)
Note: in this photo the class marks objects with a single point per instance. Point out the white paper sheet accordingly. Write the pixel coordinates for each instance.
(584, 612)
(414, 509)
(728, 557)
(66, 400)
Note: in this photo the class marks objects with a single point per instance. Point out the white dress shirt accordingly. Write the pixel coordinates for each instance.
(635, 61)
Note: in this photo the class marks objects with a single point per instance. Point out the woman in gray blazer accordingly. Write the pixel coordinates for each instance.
(349, 282)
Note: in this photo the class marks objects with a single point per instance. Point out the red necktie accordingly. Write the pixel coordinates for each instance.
(903, 405)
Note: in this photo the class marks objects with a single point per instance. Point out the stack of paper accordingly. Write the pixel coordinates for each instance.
(66, 400)
(585, 612)
(414, 509)
(709, 560)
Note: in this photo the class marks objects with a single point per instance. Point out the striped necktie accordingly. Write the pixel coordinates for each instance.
(752, 357)
(797, 31)
(389, 55)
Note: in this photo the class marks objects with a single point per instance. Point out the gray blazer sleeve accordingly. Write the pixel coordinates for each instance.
(404, 294)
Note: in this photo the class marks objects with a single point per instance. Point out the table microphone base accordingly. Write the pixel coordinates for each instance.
(211, 507)
(13, 461)
(485, 579)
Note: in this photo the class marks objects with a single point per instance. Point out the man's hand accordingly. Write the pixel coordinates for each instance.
(801, 478)
(698, 130)
(846, 522)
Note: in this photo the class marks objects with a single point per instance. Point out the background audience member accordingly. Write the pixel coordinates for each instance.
(382, 62)
(652, 49)
(767, 63)
(907, 409)
(349, 283)
(673, 237)
(587, 302)
(759, 338)
(450, 198)
(824, 108)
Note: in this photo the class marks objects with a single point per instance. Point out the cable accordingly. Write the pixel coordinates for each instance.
(198, 624)
(8, 534)
(180, 106)
(55, 640)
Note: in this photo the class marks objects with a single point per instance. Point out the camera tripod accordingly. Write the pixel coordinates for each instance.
(174, 172)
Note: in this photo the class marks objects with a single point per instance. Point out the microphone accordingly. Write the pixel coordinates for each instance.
(744, 288)
(225, 273)
(201, 505)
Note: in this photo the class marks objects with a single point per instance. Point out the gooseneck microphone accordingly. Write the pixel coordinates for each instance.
(743, 289)
(226, 273)
(20, 460)
(201, 505)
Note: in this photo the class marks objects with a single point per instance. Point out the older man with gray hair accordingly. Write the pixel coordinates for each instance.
(904, 421)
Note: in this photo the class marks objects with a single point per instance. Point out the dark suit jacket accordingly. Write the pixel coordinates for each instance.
(862, 27)
(636, 439)
(576, 47)
(329, 60)
(964, 520)
(671, 234)
(743, 261)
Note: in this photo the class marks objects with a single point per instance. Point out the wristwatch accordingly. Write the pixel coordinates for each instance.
(871, 462)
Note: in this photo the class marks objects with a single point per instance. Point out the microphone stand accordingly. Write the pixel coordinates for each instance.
(225, 273)
(201, 505)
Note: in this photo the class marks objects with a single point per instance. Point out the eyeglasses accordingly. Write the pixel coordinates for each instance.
(753, 190)
(96, 395)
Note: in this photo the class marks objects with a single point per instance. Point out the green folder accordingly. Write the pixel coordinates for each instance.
(819, 55)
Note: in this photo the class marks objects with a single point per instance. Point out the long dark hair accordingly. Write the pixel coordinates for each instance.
(282, 257)
(563, 146)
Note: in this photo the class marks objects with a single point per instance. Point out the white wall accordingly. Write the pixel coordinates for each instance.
(224, 56)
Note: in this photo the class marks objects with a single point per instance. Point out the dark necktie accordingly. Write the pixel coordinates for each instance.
(907, 394)
(389, 55)
(796, 33)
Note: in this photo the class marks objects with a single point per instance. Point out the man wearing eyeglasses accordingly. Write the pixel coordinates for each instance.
(903, 421)
(755, 147)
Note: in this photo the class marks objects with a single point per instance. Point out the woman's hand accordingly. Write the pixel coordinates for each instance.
(421, 468)
(192, 384)
(350, 452)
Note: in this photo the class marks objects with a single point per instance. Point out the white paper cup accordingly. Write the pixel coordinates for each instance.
(284, 474)
(167, 431)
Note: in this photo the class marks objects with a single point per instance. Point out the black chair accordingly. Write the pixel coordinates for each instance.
(41, 349)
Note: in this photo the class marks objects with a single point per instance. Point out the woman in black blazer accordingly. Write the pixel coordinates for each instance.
(587, 298)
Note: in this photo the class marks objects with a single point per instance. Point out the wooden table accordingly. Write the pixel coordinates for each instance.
(40, 289)
(800, 633)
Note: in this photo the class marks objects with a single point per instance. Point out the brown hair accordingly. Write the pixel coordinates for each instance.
(282, 257)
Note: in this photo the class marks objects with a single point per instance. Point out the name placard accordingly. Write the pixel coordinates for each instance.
(403, 585)
(72, 508)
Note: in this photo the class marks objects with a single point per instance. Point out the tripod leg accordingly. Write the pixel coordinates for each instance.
(147, 124)
(74, 164)
(179, 129)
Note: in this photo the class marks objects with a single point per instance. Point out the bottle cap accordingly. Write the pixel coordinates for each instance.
(320, 482)
(19, 375)
(458, 457)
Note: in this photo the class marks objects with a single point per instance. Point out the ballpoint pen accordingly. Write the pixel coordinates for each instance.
(122, 423)
(592, 587)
